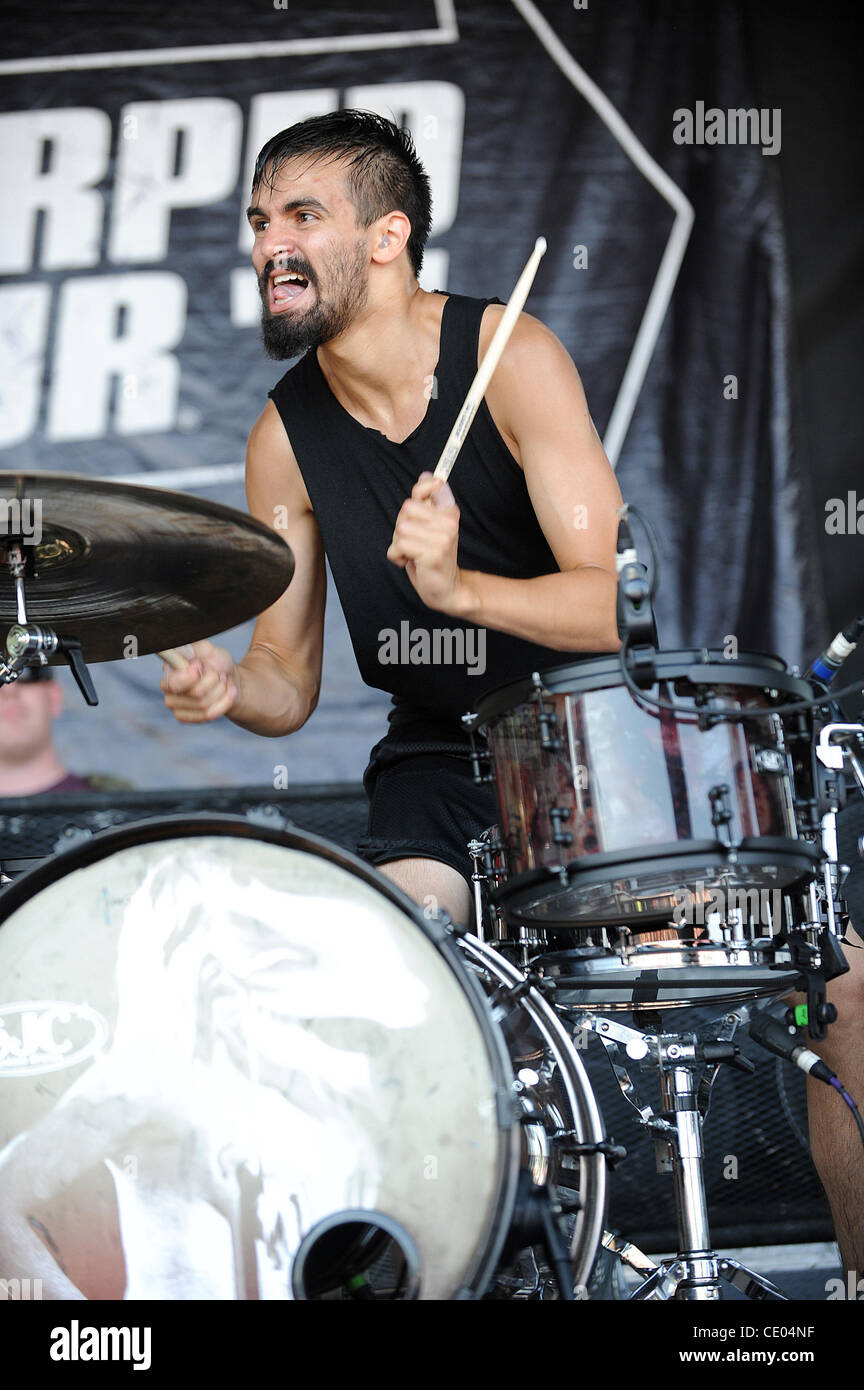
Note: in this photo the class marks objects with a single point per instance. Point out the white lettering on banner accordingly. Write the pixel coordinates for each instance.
(179, 153)
(50, 161)
(23, 333)
(434, 112)
(147, 186)
(89, 353)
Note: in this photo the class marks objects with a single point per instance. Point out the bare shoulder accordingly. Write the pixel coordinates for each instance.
(271, 465)
(530, 341)
(535, 384)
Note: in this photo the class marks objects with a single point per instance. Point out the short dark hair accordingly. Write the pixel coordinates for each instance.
(384, 172)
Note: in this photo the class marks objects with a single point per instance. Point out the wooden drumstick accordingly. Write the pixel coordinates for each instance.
(490, 361)
(174, 659)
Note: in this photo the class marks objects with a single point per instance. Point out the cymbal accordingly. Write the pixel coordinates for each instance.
(128, 570)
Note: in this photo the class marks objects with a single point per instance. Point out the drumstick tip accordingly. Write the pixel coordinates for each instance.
(540, 245)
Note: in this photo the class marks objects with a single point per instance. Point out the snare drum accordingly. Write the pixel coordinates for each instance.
(615, 813)
(237, 1063)
(614, 969)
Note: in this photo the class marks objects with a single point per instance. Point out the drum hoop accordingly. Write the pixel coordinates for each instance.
(707, 977)
(510, 894)
(102, 845)
(580, 1096)
(760, 670)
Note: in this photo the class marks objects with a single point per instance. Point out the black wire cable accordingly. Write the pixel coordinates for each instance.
(856, 1113)
(556, 1249)
(696, 712)
(722, 715)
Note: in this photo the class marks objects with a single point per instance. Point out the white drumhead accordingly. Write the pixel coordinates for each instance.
(209, 1045)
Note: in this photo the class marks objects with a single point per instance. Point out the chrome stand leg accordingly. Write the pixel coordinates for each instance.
(700, 1274)
(697, 1272)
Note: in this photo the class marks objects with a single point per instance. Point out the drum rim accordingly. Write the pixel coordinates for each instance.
(510, 894)
(102, 845)
(581, 1099)
(195, 825)
(759, 670)
(709, 985)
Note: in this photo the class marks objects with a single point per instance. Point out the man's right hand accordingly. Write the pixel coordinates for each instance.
(205, 689)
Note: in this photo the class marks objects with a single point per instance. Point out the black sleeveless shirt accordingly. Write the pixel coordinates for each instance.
(357, 480)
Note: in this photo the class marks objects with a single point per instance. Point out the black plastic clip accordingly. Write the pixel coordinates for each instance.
(571, 1145)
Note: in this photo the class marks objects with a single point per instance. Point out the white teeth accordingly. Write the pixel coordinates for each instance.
(288, 279)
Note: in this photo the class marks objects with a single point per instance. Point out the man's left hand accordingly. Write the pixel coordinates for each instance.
(425, 544)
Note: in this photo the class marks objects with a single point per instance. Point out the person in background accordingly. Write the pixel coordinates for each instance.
(29, 761)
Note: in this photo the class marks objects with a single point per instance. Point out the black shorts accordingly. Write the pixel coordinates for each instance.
(423, 800)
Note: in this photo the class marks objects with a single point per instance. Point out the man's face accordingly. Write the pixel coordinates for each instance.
(311, 259)
(27, 712)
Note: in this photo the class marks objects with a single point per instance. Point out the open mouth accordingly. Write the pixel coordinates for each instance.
(285, 289)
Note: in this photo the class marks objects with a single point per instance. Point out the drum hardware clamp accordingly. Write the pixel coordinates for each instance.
(568, 1141)
(697, 1270)
(30, 643)
(481, 778)
(818, 965)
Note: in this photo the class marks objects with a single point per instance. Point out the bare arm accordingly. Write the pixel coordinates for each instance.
(275, 687)
(538, 404)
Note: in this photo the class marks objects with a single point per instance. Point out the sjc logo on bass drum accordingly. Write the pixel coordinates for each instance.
(40, 1035)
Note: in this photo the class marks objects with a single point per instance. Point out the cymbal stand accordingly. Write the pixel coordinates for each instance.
(30, 644)
(687, 1068)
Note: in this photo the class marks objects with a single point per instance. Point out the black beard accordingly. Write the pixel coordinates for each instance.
(287, 335)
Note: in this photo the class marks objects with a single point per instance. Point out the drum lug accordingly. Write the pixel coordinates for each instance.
(708, 718)
(480, 778)
(549, 742)
(558, 815)
(721, 811)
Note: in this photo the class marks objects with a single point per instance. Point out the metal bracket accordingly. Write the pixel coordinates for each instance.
(549, 742)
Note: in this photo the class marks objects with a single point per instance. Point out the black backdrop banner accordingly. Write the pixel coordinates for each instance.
(628, 137)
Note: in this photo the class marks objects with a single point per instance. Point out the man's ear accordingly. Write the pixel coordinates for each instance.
(390, 237)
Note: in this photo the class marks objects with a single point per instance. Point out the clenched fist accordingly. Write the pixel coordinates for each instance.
(426, 541)
(205, 689)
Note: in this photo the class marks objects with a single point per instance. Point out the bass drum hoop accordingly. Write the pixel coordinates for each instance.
(102, 845)
(588, 1231)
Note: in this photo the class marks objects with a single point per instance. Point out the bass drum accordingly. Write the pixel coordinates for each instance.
(237, 1063)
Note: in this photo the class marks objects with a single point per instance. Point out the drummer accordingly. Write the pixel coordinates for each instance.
(445, 593)
(519, 557)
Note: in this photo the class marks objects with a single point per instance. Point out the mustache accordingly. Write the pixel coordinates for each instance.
(286, 265)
